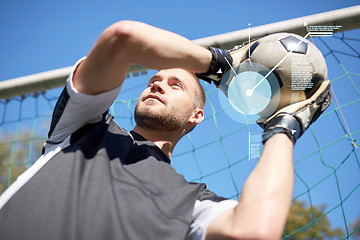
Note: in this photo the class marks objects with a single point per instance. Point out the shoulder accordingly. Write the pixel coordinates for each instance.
(207, 208)
(74, 109)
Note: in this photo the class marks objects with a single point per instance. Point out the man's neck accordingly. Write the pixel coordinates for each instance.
(165, 140)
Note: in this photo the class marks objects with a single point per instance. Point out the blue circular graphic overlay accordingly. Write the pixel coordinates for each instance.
(249, 92)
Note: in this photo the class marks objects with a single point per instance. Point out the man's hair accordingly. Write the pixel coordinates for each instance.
(200, 95)
(200, 98)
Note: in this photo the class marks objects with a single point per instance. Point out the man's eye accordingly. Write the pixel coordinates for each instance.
(177, 85)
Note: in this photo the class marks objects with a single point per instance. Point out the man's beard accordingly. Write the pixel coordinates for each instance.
(166, 121)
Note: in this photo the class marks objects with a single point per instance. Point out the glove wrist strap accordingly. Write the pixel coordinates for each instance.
(283, 123)
(219, 65)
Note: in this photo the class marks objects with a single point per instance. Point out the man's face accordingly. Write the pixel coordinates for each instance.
(168, 102)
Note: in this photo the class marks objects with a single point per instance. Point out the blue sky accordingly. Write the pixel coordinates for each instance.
(41, 35)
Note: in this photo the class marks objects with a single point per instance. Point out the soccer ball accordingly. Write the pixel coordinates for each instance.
(295, 63)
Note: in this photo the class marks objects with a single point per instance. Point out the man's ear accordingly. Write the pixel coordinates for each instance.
(197, 116)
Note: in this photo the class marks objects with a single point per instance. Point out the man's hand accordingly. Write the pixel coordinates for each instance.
(223, 61)
(294, 119)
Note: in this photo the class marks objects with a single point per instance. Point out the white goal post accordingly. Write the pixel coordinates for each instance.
(347, 18)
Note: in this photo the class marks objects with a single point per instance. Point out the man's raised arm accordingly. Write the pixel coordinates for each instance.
(265, 199)
(127, 43)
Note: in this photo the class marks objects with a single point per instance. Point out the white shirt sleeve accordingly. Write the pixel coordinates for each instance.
(204, 213)
(81, 109)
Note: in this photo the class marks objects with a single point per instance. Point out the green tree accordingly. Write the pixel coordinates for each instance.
(301, 216)
(355, 225)
(17, 153)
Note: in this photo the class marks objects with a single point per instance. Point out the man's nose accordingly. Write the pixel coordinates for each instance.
(158, 87)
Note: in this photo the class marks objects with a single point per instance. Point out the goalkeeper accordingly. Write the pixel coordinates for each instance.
(96, 180)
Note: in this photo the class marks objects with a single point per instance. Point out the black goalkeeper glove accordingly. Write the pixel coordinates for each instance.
(293, 120)
(222, 61)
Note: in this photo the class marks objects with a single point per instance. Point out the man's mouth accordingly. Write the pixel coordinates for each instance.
(154, 97)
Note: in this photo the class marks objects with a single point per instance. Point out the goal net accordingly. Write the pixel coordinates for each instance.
(222, 151)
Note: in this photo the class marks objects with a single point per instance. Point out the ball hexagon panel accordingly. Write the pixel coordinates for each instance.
(293, 44)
